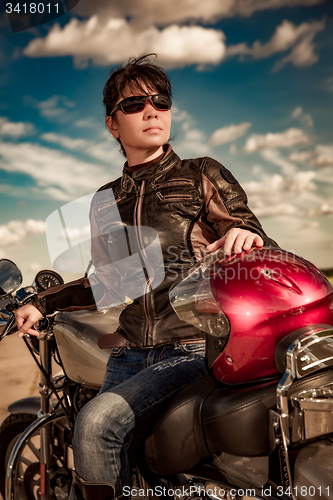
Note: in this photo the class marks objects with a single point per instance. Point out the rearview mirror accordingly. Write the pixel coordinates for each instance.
(10, 277)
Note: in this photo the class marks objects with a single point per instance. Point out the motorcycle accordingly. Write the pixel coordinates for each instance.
(258, 425)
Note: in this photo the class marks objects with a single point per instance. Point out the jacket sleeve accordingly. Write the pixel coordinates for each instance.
(226, 202)
(73, 296)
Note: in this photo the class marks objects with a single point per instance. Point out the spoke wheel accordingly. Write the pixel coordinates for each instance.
(31, 481)
(27, 477)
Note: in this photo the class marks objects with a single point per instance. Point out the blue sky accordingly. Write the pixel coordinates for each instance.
(253, 88)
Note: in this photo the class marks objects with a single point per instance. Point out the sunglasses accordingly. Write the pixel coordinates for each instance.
(135, 104)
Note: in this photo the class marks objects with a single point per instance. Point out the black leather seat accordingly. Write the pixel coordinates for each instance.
(233, 420)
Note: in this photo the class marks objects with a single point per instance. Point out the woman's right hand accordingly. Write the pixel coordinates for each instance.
(25, 317)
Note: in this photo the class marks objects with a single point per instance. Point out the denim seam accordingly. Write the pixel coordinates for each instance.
(161, 353)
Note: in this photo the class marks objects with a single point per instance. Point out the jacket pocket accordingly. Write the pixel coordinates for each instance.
(175, 183)
(175, 190)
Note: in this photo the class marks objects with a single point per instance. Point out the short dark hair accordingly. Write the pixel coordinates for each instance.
(139, 73)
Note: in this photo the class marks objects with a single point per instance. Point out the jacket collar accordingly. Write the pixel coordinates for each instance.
(151, 172)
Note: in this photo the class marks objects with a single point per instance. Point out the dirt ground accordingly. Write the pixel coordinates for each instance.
(19, 375)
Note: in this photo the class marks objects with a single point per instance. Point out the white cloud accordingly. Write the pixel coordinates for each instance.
(179, 115)
(16, 230)
(174, 11)
(63, 140)
(287, 36)
(189, 141)
(105, 151)
(14, 129)
(286, 139)
(83, 123)
(194, 143)
(304, 118)
(275, 210)
(324, 156)
(57, 175)
(303, 53)
(228, 133)
(278, 195)
(326, 209)
(55, 108)
(301, 157)
(325, 176)
(75, 233)
(297, 112)
(311, 241)
(274, 156)
(94, 39)
(321, 156)
(107, 32)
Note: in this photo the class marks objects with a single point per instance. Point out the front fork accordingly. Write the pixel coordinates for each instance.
(42, 424)
(45, 432)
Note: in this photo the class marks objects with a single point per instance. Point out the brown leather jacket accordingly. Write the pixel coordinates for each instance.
(189, 204)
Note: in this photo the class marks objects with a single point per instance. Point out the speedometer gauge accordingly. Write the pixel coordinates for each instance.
(46, 279)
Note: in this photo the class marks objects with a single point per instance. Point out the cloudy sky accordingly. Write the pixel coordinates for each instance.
(253, 88)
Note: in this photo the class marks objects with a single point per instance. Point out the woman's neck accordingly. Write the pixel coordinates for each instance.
(139, 166)
(145, 156)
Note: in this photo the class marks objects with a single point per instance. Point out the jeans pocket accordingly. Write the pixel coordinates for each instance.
(116, 351)
(193, 347)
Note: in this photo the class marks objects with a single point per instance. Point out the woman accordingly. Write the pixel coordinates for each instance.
(194, 206)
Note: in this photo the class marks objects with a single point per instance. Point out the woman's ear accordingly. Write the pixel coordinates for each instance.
(111, 124)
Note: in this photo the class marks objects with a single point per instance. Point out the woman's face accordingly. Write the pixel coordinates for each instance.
(145, 131)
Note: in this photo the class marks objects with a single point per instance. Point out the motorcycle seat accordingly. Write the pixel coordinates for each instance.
(233, 419)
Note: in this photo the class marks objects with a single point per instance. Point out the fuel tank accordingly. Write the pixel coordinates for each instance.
(77, 334)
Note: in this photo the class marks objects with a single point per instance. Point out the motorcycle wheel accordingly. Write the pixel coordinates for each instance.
(27, 478)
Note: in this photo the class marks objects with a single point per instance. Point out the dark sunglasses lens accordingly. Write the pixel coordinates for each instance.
(161, 102)
(133, 104)
(136, 104)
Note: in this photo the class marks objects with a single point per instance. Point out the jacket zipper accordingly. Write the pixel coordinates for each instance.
(167, 197)
(147, 292)
(173, 183)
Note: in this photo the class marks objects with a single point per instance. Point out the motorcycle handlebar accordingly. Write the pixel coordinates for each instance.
(11, 308)
(8, 327)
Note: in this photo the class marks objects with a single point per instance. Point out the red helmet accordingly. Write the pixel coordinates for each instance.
(249, 302)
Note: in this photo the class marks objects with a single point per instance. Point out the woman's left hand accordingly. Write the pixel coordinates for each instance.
(236, 240)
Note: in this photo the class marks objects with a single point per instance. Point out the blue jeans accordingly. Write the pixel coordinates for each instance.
(136, 383)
